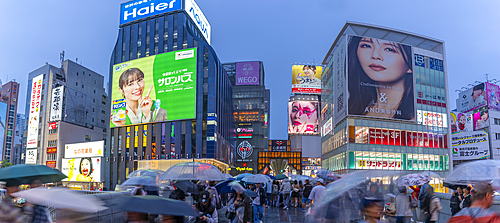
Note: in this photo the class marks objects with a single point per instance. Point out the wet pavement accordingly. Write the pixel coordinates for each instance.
(275, 214)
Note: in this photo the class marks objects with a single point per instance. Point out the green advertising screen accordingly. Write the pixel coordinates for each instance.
(154, 89)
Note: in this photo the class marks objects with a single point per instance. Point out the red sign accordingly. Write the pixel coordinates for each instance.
(52, 125)
(51, 164)
(51, 149)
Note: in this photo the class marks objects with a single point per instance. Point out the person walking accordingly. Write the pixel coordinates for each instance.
(206, 209)
(435, 207)
(455, 202)
(243, 206)
(258, 203)
(274, 194)
(269, 191)
(483, 196)
(317, 193)
(403, 208)
(301, 193)
(307, 191)
(295, 194)
(285, 191)
(466, 201)
(214, 195)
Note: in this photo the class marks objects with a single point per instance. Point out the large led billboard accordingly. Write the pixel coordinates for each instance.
(247, 73)
(34, 115)
(86, 169)
(303, 117)
(481, 120)
(306, 79)
(3, 124)
(154, 89)
(139, 9)
(470, 145)
(493, 95)
(472, 98)
(195, 13)
(460, 122)
(380, 79)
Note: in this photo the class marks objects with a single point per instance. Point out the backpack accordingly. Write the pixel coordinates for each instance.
(275, 189)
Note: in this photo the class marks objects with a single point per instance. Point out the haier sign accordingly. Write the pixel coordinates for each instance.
(198, 18)
(140, 9)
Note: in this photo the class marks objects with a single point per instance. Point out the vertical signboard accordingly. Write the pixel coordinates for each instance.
(56, 105)
(34, 115)
(31, 155)
(381, 80)
(3, 124)
(247, 73)
(340, 81)
(195, 13)
(493, 93)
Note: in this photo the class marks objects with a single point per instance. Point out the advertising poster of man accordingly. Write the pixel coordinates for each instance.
(154, 89)
(460, 122)
(303, 117)
(380, 79)
(472, 98)
(306, 79)
(481, 120)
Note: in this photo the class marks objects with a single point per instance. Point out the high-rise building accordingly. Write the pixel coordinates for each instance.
(8, 111)
(19, 138)
(166, 54)
(251, 102)
(385, 102)
(66, 104)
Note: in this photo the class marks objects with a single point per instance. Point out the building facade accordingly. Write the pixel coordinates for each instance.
(372, 123)
(8, 115)
(19, 138)
(251, 102)
(66, 104)
(208, 135)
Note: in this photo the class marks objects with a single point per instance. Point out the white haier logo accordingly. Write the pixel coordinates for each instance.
(199, 18)
(144, 8)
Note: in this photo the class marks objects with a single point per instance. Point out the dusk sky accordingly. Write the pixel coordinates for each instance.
(277, 32)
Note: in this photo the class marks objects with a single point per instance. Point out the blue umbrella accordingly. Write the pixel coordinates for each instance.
(271, 176)
(239, 177)
(222, 187)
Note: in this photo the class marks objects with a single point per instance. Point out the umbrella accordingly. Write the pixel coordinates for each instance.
(193, 171)
(144, 181)
(241, 176)
(473, 172)
(236, 186)
(250, 193)
(26, 173)
(271, 176)
(281, 176)
(256, 179)
(413, 179)
(326, 175)
(223, 186)
(151, 204)
(146, 172)
(302, 178)
(228, 175)
(62, 199)
(187, 186)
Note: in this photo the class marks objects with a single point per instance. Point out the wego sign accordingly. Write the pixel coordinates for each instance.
(245, 150)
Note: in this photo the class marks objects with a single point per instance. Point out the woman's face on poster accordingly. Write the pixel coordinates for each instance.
(85, 167)
(303, 112)
(476, 94)
(133, 88)
(381, 60)
(309, 72)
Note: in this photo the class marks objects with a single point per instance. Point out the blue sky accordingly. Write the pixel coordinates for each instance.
(278, 32)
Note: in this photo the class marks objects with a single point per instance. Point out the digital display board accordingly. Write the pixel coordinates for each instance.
(306, 79)
(139, 9)
(303, 117)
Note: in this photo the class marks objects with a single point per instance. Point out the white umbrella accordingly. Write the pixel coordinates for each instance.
(228, 175)
(256, 179)
(193, 171)
(62, 199)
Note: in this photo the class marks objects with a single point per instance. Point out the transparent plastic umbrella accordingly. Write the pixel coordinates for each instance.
(414, 179)
(241, 176)
(254, 179)
(144, 181)
(193, 171)
(473, 172)
(301, 178)
(145, 172)
(228, 175)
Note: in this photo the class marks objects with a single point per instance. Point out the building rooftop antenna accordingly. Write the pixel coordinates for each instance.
(61, 56)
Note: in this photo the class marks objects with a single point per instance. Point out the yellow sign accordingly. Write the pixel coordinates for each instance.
(244, 168)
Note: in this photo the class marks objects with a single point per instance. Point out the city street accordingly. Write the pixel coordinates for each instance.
(274, 214)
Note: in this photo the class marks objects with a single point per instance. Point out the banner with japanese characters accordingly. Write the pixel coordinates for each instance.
(392, 164)
(153, 89)
(85, 149)
(470, 145)
(56, 106)
(34, 115)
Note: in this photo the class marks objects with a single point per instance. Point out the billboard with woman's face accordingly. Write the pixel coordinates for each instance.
(303, 117)
(380, 79)
(306, 79)
(472, 98)
(84, 169)
(154, 89)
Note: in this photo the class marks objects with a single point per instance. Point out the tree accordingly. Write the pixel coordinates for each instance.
(6, 164)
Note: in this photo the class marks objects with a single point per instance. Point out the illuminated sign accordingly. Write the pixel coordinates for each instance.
(139, 9)
(378, 164)
(52, 125)
(31, 156)
(57, 101)
(244, 150)
(327, 127)
(195, 13)
(244, 168)
(34, 116)
(279, 145)
(245, 136)
(51, 149)
(432, 118)
(246, 116)
(51, 164)
(86, 149)
(244, 130)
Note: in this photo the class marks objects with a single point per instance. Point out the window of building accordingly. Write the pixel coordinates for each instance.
(83, 73)
(83, 86)
(77, 74)
(102, 121)
(52, 143)
(103, 102)
(497, 136)
(497, 152)
(92, 119)
(93, 100)
(497, 121)
(94, 91)
(95, 82)
(103, 112)
(93, 109)
(87, 138)
(76, 83)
